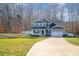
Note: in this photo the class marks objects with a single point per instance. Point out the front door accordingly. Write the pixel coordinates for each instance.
(42, 32)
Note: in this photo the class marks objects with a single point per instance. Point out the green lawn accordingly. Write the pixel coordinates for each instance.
(17, 46)
(73, 40)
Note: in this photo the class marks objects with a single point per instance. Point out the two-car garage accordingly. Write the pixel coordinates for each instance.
(57, 32)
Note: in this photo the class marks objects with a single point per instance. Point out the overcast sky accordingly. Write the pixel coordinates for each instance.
(46, 5)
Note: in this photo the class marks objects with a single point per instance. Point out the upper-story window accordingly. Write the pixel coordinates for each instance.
(38, 24)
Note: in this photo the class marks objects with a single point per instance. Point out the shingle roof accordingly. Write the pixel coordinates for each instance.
(38, 21)
(46, 21)
(42, 20)
(58, 28)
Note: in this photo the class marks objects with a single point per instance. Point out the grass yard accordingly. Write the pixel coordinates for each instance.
(73, 40)
(17, 46)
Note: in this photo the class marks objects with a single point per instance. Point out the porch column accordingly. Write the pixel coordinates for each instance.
(44, 32)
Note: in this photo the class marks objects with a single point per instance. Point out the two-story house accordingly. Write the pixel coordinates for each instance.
(47, 28)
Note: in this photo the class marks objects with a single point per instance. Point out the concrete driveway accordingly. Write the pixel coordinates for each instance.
(54, 47)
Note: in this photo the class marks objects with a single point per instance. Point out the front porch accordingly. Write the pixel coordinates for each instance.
(41, 32)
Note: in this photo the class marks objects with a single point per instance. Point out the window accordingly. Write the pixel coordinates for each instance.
(49, 31)
(36, 31)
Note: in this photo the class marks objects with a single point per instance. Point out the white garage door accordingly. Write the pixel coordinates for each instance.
(57, 33)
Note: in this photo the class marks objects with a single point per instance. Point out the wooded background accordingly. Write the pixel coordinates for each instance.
(17, 17)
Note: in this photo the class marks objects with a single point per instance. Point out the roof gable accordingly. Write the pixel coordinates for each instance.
(41, 21)
(58, 27)
(38, 21)
(52, 24)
